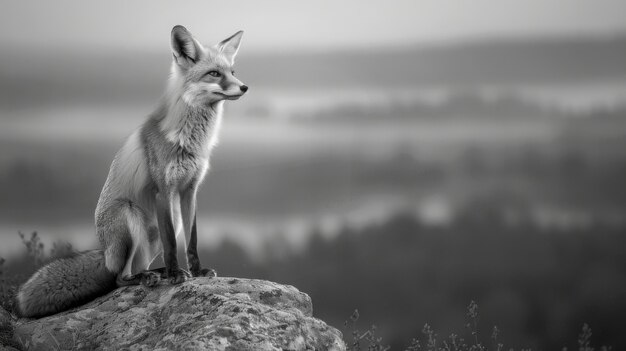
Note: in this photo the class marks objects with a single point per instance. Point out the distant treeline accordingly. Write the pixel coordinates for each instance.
(461, 104)
(577, 172)
(538, 286)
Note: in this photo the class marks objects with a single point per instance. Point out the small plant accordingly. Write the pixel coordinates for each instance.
(472, 325)
(414, 346)
(584, 339)
(374, 342)
(431, 338)
(34, 248)
(498, 346)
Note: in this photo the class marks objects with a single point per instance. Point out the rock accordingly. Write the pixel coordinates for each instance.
(200, 314)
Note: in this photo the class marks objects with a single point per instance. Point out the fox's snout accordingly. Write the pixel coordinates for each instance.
(243, 89)
(232, 93)
(234, 86)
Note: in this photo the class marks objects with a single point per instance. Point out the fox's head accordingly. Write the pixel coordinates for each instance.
(205, 75)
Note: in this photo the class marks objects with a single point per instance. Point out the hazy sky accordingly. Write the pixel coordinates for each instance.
(290, 24)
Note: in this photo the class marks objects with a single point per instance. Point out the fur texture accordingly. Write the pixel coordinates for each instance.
(52, 288)
(149, 197)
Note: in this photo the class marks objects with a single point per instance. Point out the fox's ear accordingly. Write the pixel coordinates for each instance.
(186, 49)
(229, 47)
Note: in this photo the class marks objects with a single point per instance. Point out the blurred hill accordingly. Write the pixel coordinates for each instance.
(29, 78)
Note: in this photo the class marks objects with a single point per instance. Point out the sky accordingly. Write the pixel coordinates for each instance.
(299, 25)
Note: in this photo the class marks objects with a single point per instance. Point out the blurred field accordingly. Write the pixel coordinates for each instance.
(490, 171)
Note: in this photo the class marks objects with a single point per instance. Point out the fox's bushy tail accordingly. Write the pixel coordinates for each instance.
(65, 283)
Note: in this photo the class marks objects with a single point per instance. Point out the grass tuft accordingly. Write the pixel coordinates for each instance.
(369, 341)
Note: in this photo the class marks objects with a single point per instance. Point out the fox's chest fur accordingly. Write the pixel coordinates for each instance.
(192, 129)
(179, 144)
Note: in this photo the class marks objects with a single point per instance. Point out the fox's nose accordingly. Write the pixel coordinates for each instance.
(244, 88)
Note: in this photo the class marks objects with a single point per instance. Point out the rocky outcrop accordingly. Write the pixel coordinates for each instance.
(200, 314)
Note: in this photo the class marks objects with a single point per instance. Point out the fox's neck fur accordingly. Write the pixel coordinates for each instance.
(192, 127)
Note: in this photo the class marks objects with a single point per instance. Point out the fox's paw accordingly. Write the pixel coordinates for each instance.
(150, 279)
(178, 276)
(205, 272)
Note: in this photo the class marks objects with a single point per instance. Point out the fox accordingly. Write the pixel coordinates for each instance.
(149, 196)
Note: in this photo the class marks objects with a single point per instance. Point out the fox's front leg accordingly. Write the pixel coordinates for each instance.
(168, 236)
(188, 209)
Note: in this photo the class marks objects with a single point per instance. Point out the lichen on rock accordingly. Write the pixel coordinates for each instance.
(202, 314)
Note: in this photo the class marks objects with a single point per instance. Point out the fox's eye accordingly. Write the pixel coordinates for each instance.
(232, 72)
(214, 73)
